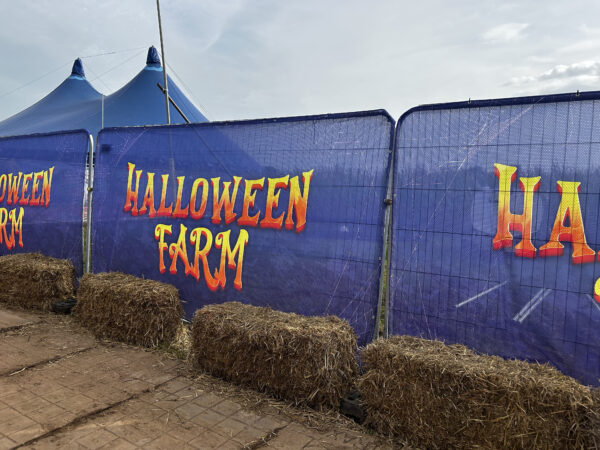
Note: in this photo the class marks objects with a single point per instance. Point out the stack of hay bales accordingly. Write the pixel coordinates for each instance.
(440, 396)
(308, 360)
(35, 281)
(129, 309)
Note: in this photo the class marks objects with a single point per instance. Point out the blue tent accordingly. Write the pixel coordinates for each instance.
(142, 102)
(75, 104)
(72, 105)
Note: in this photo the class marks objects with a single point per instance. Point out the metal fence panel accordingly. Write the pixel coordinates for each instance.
(319, 253)
(41, 194)
(477, 237)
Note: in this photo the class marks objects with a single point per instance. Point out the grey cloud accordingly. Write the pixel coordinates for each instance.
(507, 32)
(585, 72)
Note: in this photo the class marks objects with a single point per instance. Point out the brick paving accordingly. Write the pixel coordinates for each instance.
(22, 348)
(60, 388)
(11, 320)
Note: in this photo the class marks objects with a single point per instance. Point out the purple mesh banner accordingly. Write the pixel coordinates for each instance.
(286, 213)
(495, 229)
(41, 194)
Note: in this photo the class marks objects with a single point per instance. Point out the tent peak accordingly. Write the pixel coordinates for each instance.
(153, 59)
(78, 69)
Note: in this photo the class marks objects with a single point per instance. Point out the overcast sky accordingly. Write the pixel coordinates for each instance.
(265, 58)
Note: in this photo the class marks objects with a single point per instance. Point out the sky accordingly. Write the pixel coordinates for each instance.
(242, 59)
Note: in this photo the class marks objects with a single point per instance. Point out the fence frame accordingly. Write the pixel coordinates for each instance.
(509, 101)
(383, 293)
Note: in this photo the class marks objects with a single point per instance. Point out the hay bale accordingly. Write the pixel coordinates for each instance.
(440, 396)
(128, 309)
(308, 360)
(35, 281)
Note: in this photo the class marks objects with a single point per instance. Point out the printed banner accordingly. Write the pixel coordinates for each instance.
(286, 213)
(41, 194)
(496, 231)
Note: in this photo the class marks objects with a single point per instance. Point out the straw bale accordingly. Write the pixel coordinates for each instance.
(35, 281)
(440, 396)
(128, 309)
(308, 360)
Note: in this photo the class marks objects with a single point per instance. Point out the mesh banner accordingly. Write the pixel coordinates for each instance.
(41, 194)
(496, 229)
(286, 213)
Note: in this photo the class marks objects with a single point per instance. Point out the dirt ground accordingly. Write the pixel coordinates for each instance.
(61, 388)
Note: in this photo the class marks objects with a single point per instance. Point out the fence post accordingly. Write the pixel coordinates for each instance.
(384, 277)
(90, 189)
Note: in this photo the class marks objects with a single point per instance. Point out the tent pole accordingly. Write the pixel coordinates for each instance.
(164, 63)
(174, 104)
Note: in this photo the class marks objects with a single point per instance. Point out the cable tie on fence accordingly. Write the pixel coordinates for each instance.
(388, 201)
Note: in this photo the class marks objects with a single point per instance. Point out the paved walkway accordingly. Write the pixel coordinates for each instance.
(60, 388)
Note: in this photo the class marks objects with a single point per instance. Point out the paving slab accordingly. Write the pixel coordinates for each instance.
(46, 398)
(180, 414)
(61, 388)
(40, 342)
(13, 319)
